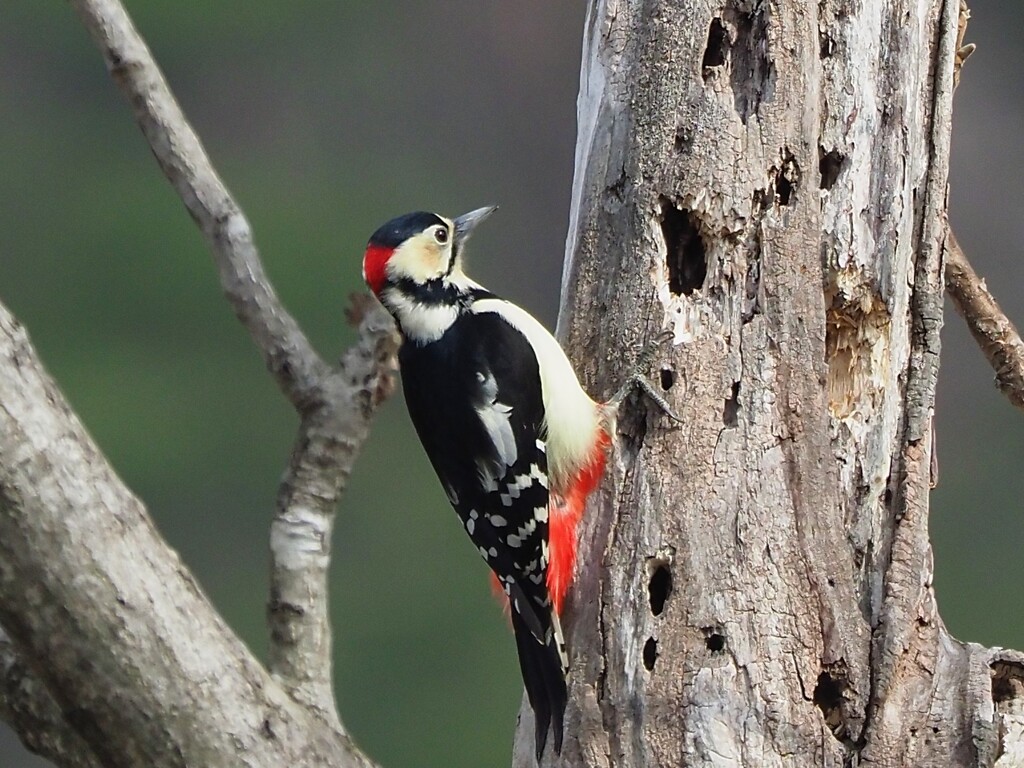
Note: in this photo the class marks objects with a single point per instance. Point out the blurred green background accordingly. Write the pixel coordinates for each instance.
(326, 119)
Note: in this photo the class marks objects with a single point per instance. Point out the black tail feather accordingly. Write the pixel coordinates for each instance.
(545, 684)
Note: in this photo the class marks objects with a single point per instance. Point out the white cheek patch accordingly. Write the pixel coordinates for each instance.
(418, 259)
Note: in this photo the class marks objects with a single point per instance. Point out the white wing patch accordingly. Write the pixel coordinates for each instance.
(495, 418)
(572, 418)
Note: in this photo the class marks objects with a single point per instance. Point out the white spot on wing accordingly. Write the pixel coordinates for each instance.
(495, 418)
(514, 489)
(556, 627)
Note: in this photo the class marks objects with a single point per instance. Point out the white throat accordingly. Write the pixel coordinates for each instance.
(421, 323)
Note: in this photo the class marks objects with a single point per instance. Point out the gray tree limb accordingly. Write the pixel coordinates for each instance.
(296, 367)
(335, 406)
(107, 617)
(26, 704)
(330, 437)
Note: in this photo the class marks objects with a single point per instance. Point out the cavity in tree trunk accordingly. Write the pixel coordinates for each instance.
(768, 181)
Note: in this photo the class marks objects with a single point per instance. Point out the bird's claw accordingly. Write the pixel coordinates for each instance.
(638, 379)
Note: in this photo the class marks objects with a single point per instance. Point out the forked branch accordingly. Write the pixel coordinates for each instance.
(103, 612)
(335, 406)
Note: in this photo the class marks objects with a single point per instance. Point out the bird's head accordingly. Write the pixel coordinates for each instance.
(417, 248)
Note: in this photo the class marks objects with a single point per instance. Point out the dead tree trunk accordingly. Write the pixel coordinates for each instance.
(767, 180)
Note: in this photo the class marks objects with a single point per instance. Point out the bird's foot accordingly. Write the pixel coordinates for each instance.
(638, 380)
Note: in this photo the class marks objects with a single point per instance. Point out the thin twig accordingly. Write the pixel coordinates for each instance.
(287, 352)
(963, 51)
(991, 328)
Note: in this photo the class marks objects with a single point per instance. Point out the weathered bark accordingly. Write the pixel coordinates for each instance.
(767, 180)
(29, 708)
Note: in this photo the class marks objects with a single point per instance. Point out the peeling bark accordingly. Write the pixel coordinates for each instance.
(767, 181)
(763, 179)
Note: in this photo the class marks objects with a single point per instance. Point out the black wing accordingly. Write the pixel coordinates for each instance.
(476, 401)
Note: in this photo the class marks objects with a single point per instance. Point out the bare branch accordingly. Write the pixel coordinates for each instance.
(300, 536)
(107, 616)
(27, 705)
(285, 349)
(991, 328)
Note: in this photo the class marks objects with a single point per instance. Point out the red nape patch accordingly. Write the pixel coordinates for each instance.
(375, 262)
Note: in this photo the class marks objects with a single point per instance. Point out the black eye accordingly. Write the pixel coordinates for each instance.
(441, 235)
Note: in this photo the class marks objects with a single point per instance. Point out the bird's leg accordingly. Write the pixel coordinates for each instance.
(638, 380)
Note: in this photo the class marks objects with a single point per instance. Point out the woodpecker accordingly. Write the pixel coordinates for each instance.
(515, 441)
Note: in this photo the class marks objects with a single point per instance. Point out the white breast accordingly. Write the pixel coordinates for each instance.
(422, 323)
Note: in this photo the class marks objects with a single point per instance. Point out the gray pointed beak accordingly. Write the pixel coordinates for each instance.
(466, 223)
